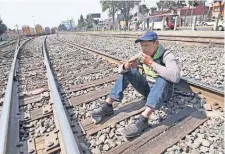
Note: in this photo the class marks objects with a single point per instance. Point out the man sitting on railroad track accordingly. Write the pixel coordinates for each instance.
(156, 85)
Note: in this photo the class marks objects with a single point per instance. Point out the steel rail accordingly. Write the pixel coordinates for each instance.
(70, 143)
(12, 42)
(159, 35)
(8, 44)
(211, 93)
(7, 102)
(180, 36)
(165, 39)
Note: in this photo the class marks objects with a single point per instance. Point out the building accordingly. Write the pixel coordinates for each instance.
(216, 9)
(108, 23)
(70, 24)
(93, 20)
(187, 13)
(137, 20)
(193, 11)
(95, 15)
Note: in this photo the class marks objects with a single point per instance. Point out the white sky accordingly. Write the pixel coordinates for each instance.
(48, 12)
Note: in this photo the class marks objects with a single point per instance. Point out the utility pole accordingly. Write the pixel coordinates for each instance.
(113, 15)
(34, 24)
(17, 30)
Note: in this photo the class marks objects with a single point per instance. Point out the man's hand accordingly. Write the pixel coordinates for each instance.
(130, 64)
(145, 59)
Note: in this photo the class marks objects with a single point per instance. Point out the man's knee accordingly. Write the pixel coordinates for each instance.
(160, 92)
(162, 83)
(132, 73)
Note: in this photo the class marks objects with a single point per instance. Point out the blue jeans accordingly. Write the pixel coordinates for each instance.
(156, 95)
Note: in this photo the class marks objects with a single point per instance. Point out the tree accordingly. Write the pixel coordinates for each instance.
(3, 27)
(165, 5)
(143, 10)
(81, 22)
(170, 5)
(152, 9)
(112, 7)
(159, 5)
(62, 27)
(89, 21)
(125, 7)
(193, 4)
(180, 4)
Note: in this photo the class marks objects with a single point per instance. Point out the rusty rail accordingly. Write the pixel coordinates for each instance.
(213, 95)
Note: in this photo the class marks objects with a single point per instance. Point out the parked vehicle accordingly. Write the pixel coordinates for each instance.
(199, 23)
(221, 25)
(28, 31)
(208, 23)
(169, 20)
(52, 31)
(39, 29)
(47, 30)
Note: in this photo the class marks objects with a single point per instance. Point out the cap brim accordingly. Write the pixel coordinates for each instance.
(143, 39)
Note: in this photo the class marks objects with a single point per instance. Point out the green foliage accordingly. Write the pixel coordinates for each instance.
(89, 21)
(3, 27)
(143, 9)
(62, 27)
(81, 22)
(125, 7)
(112, 7)
(194, 3)
(161, 5)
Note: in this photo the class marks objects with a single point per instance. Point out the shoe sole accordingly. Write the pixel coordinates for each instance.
(131, 136)
(97, 119)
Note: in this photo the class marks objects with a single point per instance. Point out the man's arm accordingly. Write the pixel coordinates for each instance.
(132, 62)
(121, 69)
(170, 71)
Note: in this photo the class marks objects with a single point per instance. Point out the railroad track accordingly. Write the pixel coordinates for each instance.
(62, 100)
(148, 140)
(11, 42)
(6, 58)
(198, 87)
(35, 114)
(190, 40)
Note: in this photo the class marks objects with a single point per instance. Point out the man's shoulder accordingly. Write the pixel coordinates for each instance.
(168, 54)
(166, 50)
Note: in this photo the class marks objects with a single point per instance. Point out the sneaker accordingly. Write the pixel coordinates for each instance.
(98, 114)
(135, 128)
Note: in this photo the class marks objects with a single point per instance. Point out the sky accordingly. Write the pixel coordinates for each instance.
(49, 13)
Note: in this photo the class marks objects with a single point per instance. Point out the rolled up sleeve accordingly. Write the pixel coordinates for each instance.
(170, 71)
(121, 69)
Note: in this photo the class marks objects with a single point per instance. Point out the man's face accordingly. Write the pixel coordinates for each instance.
(149, 47)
